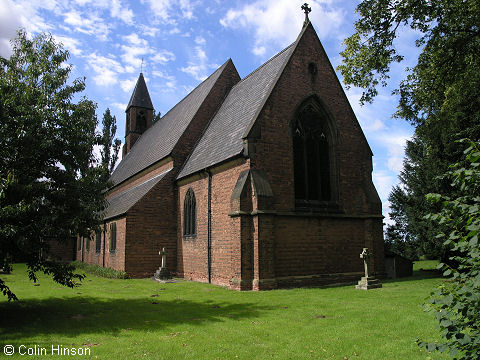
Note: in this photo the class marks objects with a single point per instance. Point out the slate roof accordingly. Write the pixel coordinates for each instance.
(140, 96)
(122, 202)
(158, 141)
(223, 138)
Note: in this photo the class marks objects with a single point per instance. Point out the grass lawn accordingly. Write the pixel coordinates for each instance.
(143, 319)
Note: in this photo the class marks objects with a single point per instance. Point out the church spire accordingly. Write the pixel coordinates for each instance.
(139, 114)
(140, 96)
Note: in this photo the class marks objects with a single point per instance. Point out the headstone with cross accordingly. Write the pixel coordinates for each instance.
(365, 255)
(163, 273)
(367, 282)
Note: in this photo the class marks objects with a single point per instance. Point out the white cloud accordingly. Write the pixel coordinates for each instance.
(21, 14)
(198, 67)
(384, 181)
(162, 57)
(160, 8)
(71, 44)
(137, 49)
(106, 69)
(127, 85)
(89, 23)
(167, 10)
(149, 30)
(119, 106)
(121, 11)
(273, 23)
(199, 40)
(132, 55)
(9, 24)
(187, 9)
(395, 144)
(259, 50)
(134, 39)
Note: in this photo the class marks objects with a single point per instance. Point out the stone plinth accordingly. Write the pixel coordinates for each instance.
(368, 282)
(162, 274)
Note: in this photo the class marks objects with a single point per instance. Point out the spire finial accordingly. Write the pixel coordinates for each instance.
(141, 67)
(307, 10)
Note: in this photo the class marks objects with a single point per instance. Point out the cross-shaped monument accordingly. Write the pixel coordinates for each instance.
(365, 255)
(307, 10)
(163, 273)
(367, 282)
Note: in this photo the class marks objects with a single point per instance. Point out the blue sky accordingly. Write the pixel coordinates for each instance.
(184, 41)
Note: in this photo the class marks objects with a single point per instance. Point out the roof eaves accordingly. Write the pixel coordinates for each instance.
(155, 179)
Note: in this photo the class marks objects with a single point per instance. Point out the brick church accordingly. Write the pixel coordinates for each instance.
(252, 183)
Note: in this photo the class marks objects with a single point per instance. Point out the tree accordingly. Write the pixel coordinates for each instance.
(156, 117)
(109, 145)
(440, 95)
(456, 302)
(48, 188)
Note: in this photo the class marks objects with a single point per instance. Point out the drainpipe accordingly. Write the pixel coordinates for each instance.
(209, 227)
(104, 240)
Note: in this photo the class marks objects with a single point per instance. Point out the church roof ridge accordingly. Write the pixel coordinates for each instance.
(206, 79)
(120, 203)
(223, 137)
(266, 62)
(158, 141)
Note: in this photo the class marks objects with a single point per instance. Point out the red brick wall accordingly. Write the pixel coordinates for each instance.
(306, 246)
(151, 225)
(62, 251)
(274, 148)
(140, 178)
(270, 249)
(115, 259)
(317, 245)
(192, 251)
(132, 136)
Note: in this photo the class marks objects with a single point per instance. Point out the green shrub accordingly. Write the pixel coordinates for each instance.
(100, 271)
(456, 303)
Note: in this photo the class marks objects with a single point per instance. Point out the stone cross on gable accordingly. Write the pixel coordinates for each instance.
(307, 10)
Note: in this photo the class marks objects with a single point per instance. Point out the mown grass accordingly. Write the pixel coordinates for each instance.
(144, 319)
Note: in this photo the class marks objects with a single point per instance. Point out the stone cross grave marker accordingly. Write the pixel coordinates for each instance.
(163, 273)
(367, 282)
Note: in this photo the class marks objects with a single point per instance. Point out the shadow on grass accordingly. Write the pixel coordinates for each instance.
(74, 316)
(417, 275)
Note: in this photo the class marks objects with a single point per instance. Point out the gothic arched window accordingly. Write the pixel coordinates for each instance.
(113, 237)
(189, 214)
(311, 153)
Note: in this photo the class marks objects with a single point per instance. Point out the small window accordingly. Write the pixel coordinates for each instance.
(189, 214)
(113, 237)
(79, 243)
(87, 244)
(98, 241)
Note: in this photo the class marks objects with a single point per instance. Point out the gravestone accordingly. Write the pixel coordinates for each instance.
(163, 273)
(367, 282)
